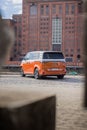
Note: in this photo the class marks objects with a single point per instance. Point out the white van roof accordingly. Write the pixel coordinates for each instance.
(45, 51)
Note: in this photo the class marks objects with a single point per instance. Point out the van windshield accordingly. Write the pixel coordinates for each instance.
(53, 55)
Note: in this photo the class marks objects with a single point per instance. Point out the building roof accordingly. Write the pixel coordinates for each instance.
(51, 0)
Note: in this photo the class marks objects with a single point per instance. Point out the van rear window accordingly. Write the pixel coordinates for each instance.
(53, 55)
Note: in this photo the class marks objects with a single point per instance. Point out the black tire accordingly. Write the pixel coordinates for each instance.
(22, 73)
(36, 74)
(60, 76)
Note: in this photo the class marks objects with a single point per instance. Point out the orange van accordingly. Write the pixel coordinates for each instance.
(43, 63)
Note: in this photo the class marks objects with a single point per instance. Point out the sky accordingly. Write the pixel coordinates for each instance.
(10, 7)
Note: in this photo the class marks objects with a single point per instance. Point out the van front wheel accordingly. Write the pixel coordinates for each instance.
(36, 74)
(22, 73)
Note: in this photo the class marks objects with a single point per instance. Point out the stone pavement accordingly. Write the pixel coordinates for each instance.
(70, 113)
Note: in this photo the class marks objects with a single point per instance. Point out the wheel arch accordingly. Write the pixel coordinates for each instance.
(36, 67)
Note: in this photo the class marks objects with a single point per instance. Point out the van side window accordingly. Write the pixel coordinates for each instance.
(31, 57)
(40, 55)
(35, 56)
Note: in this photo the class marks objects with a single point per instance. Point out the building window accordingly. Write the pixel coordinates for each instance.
(60, 9)
(66, 50)
(47, 9)
(72, 9)
(71, 55)
(78, 50)
(78, 57)
(79, 7)
(33, 9)
(54, 9)
(42, 10)
(72, 50)
(67, 9)
(56, 31)
(69, 59)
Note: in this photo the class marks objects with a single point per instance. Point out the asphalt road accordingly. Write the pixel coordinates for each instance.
(70, 113)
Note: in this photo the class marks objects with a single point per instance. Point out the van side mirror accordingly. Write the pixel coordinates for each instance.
(25, 58)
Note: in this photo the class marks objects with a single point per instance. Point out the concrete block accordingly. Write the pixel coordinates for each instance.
(38, 115)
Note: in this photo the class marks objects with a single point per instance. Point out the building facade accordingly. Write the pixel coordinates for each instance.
(53, 25)
(49, 25)
(16, 49)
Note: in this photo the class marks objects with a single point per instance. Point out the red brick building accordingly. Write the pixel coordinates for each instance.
(16, 49)
(53, 25)
(49, 25)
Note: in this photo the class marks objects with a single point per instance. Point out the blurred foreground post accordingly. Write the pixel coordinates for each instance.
(34, 112)
(6, 40)
(85, 51)
(37, 115)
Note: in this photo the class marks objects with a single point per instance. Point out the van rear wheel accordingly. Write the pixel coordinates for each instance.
(36, 73)
(60, 76)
